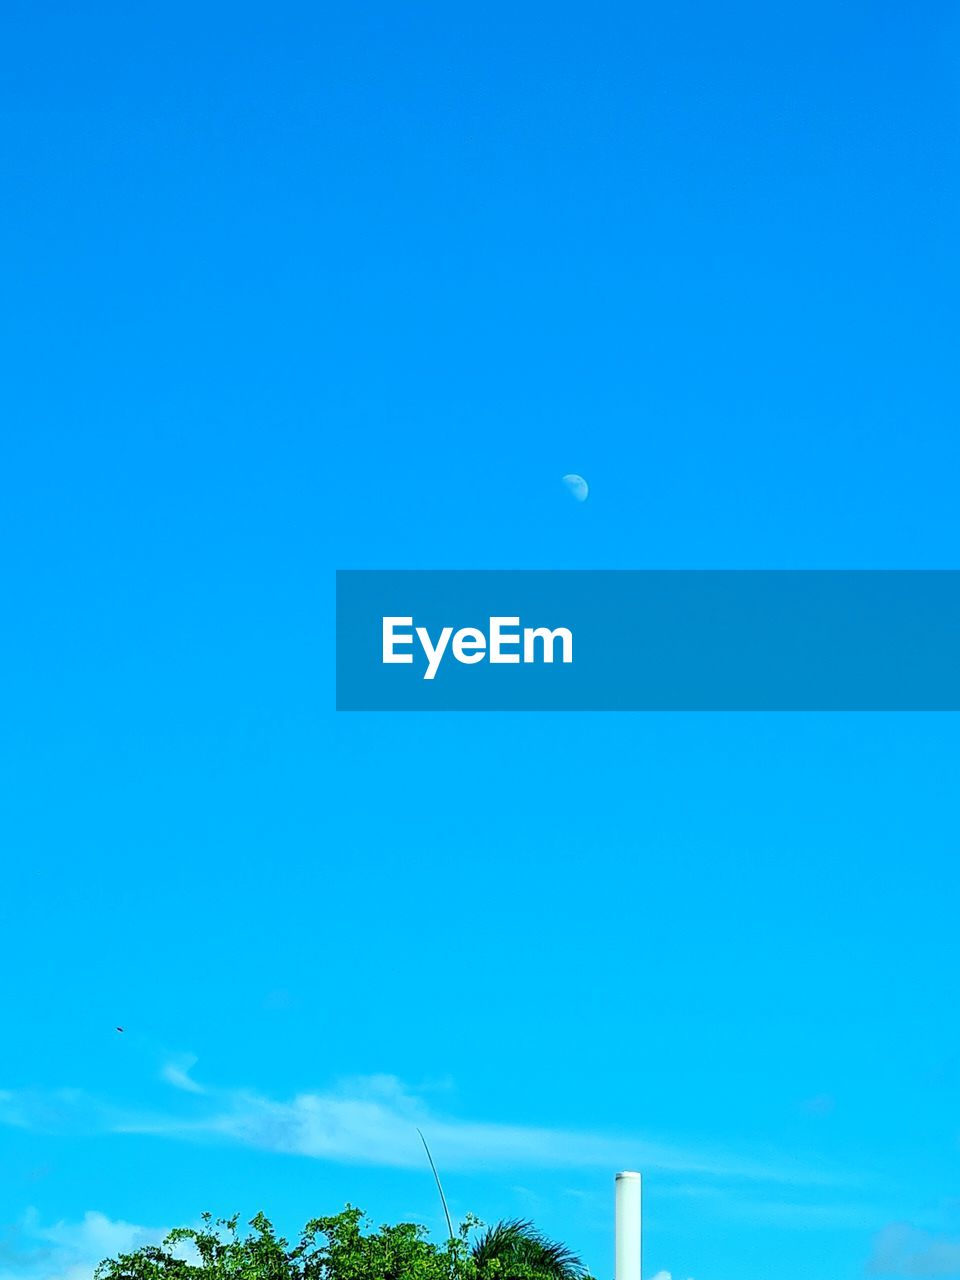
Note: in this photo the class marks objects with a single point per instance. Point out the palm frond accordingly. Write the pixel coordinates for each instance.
(516, 1250)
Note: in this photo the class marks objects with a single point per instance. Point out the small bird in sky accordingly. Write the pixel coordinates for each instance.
(120, 1029)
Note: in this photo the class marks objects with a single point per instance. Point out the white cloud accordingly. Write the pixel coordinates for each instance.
(68, 1250)
(903, 1250)
(374, 1120)
(177, 1073)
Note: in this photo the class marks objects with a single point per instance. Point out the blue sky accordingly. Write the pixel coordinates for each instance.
(291, 288)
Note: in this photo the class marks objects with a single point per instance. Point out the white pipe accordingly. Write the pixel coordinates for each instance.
(628, 1246)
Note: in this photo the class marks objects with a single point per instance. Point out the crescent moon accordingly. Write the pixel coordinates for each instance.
(577, 487)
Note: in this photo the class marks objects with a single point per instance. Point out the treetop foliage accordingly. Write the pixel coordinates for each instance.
(342, 1247)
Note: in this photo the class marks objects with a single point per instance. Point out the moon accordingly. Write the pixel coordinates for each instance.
(577, 487)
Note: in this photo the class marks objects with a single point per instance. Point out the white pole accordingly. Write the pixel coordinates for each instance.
(628, 1227)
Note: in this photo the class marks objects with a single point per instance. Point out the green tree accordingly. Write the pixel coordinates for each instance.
(341, 1247)
(331, 1248)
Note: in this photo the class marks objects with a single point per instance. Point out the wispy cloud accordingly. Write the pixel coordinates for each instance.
(374, 1120)
(177, 1073)
(822, 1104)
(904, 1250)
(803, 1209)
(55, 1111)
